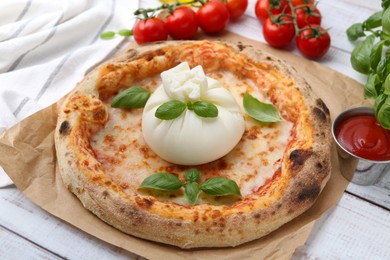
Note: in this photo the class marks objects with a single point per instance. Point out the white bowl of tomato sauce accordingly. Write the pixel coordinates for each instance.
(358, 134)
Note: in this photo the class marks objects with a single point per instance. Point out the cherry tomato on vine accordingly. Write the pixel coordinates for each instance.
(150, 30)
(279, 35)
(301, 2)
(313, 42)
(236, 8)
(182, 24)
(274, 6)
(213, 16)
(306, 15)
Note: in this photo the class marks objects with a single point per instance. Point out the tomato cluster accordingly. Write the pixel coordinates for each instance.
(284, 19)
(182, 22)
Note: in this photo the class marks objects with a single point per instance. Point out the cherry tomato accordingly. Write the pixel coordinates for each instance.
(213, 16)
(305, 15)
(301, 2)
(279, 36)
(150, 30)
(274, 6)
(182, 24)
(236, 8)
(313, 43)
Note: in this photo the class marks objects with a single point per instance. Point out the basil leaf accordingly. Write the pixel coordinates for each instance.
(374, 21)
(162, 181)
(133, 97)
(192, 192)
(355, 31)
(385, 4)
(386, 85)
(260, 111)
(383, 68)
(384, 114)
(369, 88)
(219, 186)
(385, 37)
(125, 32)
(170, 110)
(192, 175)
(107, 35)
(360, 58)
(376, 54)
(379, 101)
(205, 109)
(386, 21)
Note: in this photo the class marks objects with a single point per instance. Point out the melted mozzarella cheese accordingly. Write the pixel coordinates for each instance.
(191, 139)
(124, 155)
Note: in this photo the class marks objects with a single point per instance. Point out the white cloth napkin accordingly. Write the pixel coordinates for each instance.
(47, 46)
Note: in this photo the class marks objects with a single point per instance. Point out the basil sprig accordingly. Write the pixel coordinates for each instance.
(217, 186)
(133, 97)
(263, 112)
(372, 58)
(174, 108)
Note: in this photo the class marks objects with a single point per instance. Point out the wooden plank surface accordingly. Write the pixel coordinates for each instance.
(378, 194)
(29, 222)
(357, 228)
(13, 247)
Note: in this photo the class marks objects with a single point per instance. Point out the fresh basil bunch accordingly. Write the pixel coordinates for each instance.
(372, 57)
(217, 186)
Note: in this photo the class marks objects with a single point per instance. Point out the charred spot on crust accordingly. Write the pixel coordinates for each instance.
(298, 158)
(322, 106)
(319, 113)
(319, 166)
(65, 128)
(105, 194)
(143, 202)
(241, 46)
(309, 193)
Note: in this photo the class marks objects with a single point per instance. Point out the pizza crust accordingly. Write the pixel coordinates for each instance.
(205, 225)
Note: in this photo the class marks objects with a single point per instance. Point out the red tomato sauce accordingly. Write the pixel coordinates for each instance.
(363, 136)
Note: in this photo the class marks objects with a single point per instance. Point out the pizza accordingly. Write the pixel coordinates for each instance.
(280, 167)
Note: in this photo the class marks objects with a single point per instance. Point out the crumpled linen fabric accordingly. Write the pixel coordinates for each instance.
(47, 46)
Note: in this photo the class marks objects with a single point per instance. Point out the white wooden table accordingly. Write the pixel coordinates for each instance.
(357, 228)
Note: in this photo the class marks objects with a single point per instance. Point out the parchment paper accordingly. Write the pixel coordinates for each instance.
(28, 156)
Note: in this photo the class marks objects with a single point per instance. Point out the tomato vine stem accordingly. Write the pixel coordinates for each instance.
(145, 12)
